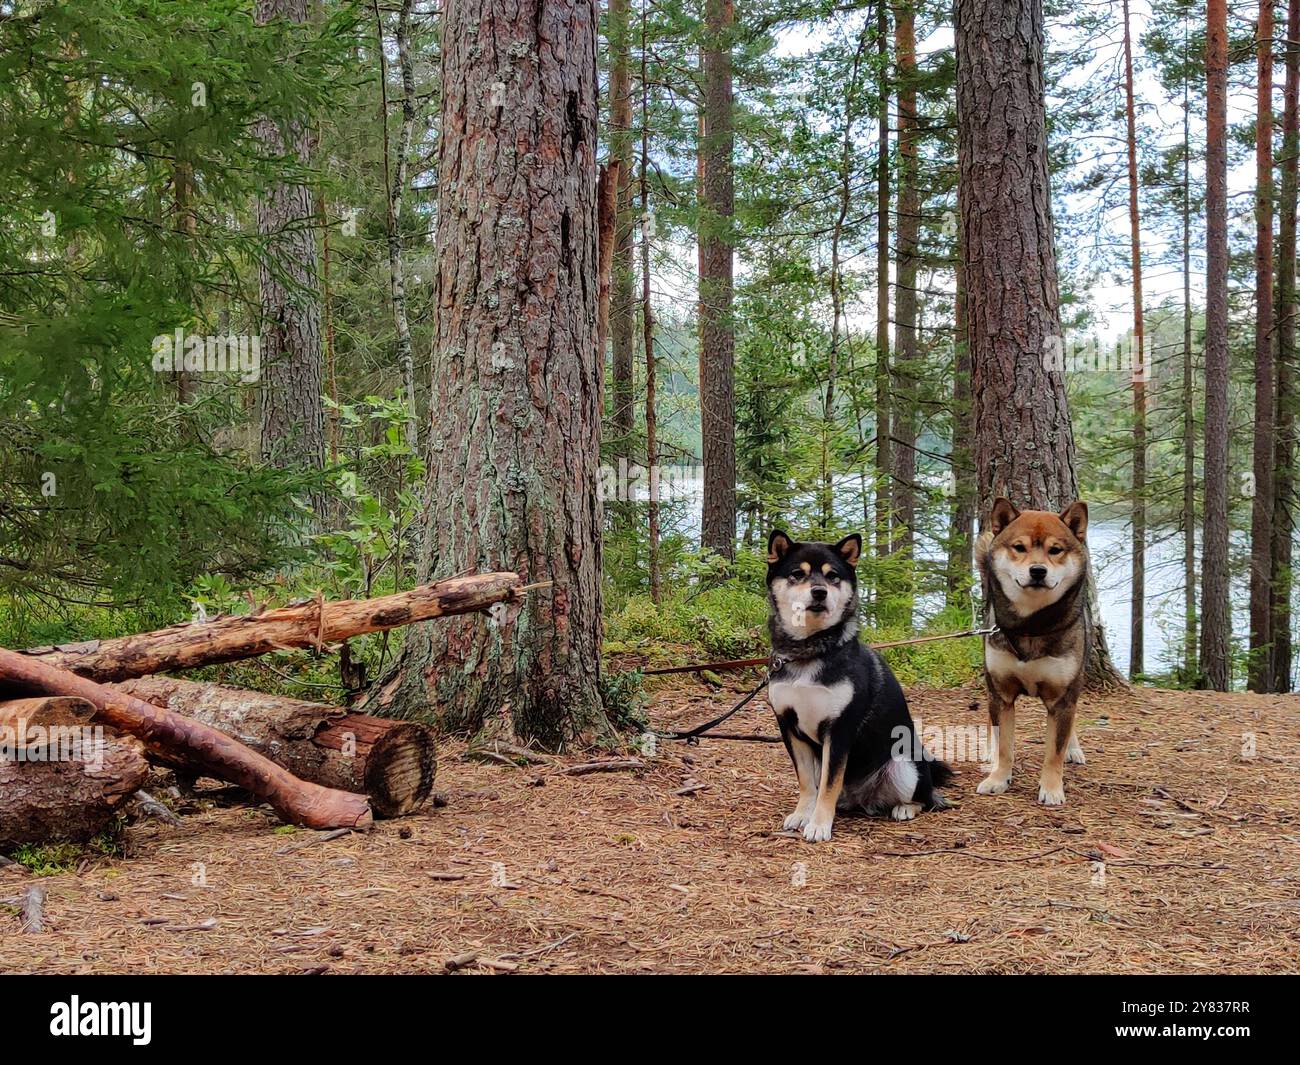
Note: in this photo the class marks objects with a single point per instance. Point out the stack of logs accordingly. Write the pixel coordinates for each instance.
(318, 766)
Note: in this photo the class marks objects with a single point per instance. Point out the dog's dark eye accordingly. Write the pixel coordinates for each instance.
(1019, 548)
(1055, 550)
(833, 578)
(795, 578)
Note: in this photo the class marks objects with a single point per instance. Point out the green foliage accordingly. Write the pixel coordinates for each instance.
(133, 164)
(730, 621)
(625, 700)
(52, 859)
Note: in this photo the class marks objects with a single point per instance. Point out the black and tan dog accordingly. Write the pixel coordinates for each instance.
(843, 717)
(1034, 565)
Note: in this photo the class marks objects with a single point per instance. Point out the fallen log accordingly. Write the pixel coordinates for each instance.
(314, 623)
(391, 762)
(72, 798)
(171, 736)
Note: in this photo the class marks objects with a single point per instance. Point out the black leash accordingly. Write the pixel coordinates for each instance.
(692, 736)
(775, 665)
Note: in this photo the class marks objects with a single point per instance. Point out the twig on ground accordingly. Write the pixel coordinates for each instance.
(610, 765)
(151, 807)
(33, 915)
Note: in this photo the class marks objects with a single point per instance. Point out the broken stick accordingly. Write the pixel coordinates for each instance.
(310, 624)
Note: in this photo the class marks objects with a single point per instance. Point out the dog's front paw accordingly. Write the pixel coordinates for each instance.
(1051, 794)
(1074, 753)
(905, 811)
(797, 820)
(994, 784)
(817, 831)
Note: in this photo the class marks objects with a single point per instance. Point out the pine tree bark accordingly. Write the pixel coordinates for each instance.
(514, 425)
(622, 305)
(1024, 444)
(1137, 609)
(1284, 482)
(1215, 619)
(292, 414)
(717, 329)
(1260, 661)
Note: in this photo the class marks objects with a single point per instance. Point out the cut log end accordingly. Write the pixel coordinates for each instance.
(400, 770)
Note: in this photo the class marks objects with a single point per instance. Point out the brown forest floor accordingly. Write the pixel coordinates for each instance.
(617, 872)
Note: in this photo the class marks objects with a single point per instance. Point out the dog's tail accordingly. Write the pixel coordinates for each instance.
(939, 774)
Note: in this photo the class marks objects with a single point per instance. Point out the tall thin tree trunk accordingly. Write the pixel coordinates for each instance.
(516, 377)
(836, 282)
(1190, 669)
(1024, 444)
(1284, 482)
(1259, 663)
(717, 329)
(1215, 619)
(395, 189)
(648, 329)
(187, 383)
(622, 301)
(1137, 615)
(906, 371)
(965, 492)
(293, 416)
(884, 493)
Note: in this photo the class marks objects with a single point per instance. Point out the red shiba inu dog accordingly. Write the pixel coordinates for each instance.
(1034, 566)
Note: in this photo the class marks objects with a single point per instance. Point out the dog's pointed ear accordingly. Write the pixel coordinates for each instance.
(1075, 517)
(778, 544)
(1003, 514)
(851, 548)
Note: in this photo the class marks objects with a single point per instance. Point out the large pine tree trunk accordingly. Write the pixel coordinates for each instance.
(1024, 444)
(514, 425)
(292, 418)
(1284, 483)
(1215, 619)
(622, 304)
(1259, 670)
(717, 330)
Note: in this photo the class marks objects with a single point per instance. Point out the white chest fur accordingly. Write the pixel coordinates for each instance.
(1054, 672)
(814, 703)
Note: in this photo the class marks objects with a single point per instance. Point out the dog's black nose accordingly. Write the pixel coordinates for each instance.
(819, 595)
(1037, 573)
